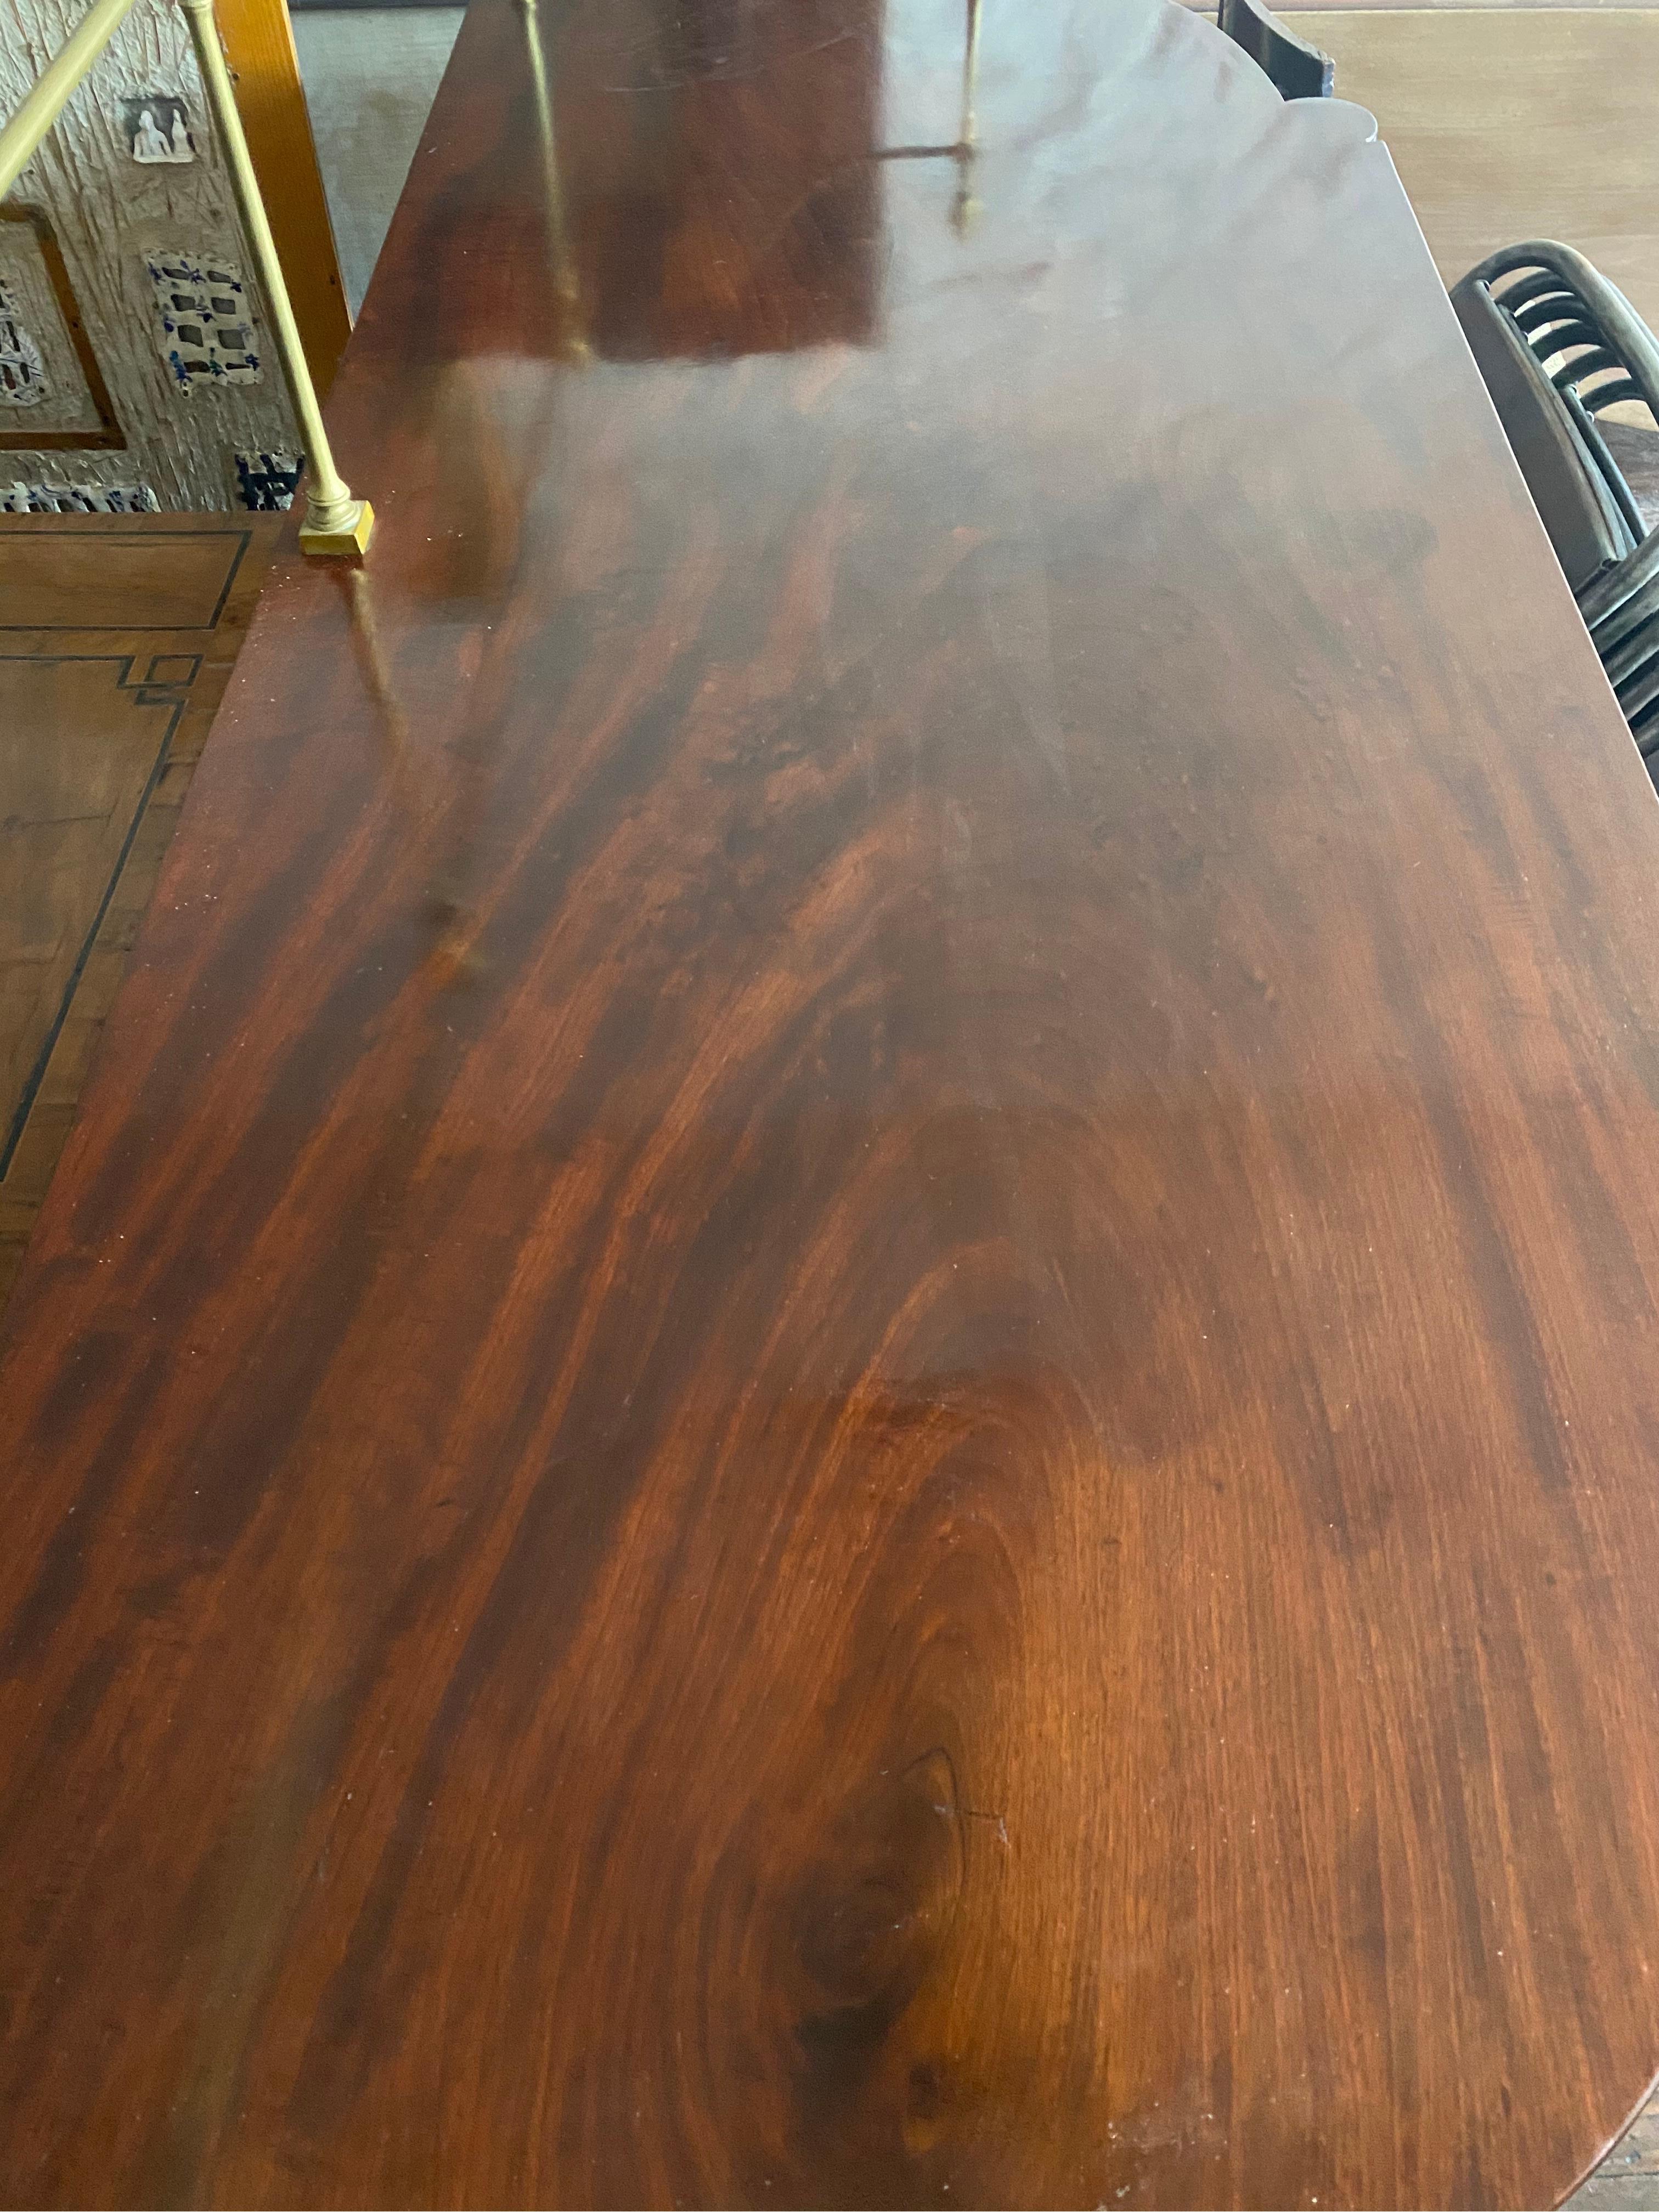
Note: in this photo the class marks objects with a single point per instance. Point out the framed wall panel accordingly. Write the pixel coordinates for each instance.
(38, 309)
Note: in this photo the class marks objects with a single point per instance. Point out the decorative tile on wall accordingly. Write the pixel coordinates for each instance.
(266, 481)
(51, 391)
(207, 320)
(77, 499)
(156, 127)
(22, 371)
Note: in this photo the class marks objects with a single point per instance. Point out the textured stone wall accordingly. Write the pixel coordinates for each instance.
(128, 308)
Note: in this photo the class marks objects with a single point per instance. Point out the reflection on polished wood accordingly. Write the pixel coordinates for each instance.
(779, 257)
(844, 1390)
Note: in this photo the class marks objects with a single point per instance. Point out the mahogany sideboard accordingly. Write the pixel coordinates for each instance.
(845, 1389)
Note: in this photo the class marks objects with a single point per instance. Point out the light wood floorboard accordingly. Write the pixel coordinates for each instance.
(1534, 123)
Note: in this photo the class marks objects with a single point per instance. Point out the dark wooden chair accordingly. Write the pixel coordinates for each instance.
(1300, 70)
(1636, 451)
(1558, 346)
(1622, 609)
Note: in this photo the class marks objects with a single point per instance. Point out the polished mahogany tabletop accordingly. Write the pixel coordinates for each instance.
(846, 1391)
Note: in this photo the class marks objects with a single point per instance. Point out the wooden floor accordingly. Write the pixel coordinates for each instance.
(116, 634)
(1528, 123)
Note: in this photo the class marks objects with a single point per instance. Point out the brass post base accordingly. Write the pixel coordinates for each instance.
(344, 539)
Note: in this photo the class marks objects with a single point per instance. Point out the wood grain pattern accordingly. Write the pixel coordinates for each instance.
(843, 1392)
(258, 42)
(123, 573)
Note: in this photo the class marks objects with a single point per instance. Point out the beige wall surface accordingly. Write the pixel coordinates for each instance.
(113, 215)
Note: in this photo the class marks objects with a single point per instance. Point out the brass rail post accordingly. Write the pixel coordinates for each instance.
(335, 522)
